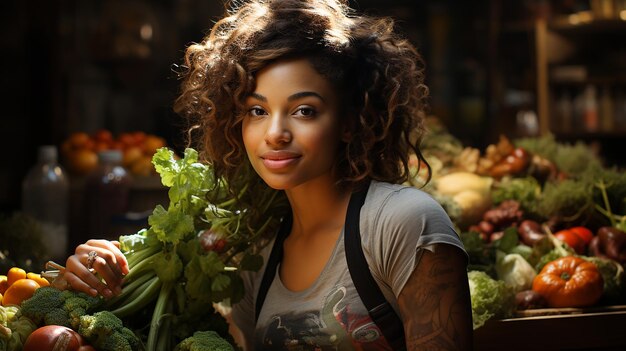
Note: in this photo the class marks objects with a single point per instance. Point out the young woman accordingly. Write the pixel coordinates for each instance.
(322, 104)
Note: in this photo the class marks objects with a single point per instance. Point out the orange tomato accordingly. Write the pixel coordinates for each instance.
(152, 143)
(19, 291)
(126, 139)
(38, 278)
(117, 145)
(139, 137)
(101, 146)
(569, 282)
(131, 155)
(83, 161)
(103, 135)
(15, 274)
(142, 166)
(79, 140)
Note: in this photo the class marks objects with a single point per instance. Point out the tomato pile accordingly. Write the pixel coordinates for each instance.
(80, 150)
(18, 285)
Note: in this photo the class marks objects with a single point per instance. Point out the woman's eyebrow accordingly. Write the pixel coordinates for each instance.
(305, 94)
(258, 97)
(295, 96)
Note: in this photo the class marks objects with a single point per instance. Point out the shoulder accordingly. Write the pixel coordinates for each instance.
(397, 222)
(395, 214)
(397, 202)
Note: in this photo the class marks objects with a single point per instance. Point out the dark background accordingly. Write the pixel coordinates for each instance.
(71, 65)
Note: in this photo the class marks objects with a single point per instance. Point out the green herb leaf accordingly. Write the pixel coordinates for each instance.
(220, 282)
(170, 226)
(211, 264)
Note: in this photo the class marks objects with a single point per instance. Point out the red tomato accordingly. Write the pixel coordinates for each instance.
(50, 337)
(103, 135)
(572, 240)
(583, 233)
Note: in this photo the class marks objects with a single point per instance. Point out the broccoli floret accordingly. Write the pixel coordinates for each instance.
(204, 341)
(131, 338)
(57, 316)
(50, 306)
(74, 317)
(81, 301)
(46, 300)
(106, 332)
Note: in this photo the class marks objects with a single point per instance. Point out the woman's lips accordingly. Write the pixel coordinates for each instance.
(279, 159)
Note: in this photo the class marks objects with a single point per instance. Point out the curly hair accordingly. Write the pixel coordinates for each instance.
(379, 74)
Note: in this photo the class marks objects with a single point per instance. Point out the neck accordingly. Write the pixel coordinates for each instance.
(317, 206)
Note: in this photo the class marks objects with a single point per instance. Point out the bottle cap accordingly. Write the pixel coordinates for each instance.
(48, 153)
(110, 156)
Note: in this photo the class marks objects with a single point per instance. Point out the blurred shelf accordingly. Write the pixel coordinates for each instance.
(578, 23)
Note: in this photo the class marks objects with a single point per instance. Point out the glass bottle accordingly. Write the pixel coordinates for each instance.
(45, 194)
(590, 112)
(107, 195)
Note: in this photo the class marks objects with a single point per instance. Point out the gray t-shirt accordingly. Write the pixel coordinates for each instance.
(396, 223)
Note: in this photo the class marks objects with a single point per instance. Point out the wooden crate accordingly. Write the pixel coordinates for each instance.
(598, 329)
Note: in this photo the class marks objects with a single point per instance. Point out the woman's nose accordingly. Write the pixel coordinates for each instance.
(277, 131)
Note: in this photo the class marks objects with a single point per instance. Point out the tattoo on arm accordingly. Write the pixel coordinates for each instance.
(435, 304)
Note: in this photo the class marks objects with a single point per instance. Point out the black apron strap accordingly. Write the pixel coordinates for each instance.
(272, 263)
(381, 312)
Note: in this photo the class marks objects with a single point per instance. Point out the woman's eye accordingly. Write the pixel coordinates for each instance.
(306, 112)
(256, 111)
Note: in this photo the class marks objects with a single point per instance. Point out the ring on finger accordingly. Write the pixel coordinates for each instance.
(91, 258)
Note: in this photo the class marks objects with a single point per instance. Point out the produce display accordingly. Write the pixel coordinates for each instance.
(80, 150)
(544, 223)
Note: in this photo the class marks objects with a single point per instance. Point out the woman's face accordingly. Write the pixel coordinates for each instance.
(291, 130)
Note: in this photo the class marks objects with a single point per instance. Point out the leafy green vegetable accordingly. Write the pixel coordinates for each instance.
(525, 190)
(515, 271)
(482, 255)
(14, 328)
(614, 280)
(173, 267)
(570, 158)
(570, 199)
(490, 298)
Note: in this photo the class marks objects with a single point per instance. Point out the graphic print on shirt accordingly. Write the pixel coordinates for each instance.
(334, 327)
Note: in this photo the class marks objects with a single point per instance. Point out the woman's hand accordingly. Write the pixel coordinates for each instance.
(93, 261)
